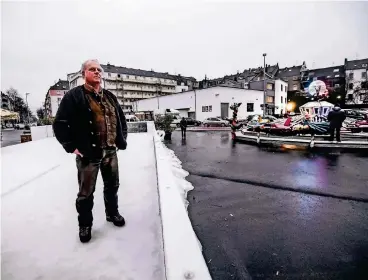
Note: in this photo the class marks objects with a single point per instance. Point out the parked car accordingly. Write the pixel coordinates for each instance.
(20, 126)
(191, 121)
(215, 122)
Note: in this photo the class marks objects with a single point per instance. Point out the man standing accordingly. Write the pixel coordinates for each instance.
(336, 117)
(183, 126)
(91, 124)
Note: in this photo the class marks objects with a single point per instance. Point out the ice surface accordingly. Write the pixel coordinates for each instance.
(39, 220)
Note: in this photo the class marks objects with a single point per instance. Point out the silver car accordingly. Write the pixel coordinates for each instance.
(215, 122)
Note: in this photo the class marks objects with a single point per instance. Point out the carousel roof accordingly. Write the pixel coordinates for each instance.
(317, 104)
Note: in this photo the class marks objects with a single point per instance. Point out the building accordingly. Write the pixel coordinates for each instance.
(54, 96)
(333, 85)
(292, 76)
(212, 102)
(131, 85)
(6, 102)
(253, 79)
(356, 82)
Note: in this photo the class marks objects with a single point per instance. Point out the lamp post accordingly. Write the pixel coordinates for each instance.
(27, 107)
(264, 84)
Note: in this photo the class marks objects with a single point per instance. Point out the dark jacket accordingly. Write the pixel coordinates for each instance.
(183, 124)
(75, 128)
(336, 117)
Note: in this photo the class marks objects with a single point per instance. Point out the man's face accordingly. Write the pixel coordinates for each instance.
(93, 73)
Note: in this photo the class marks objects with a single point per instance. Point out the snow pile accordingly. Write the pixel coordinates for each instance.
(183, 251)
(179, 173)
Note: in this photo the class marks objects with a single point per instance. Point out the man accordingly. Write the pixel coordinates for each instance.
(183, 126)
(91, 124)
(336, 117)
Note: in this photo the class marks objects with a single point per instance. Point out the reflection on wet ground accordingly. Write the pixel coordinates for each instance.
(273, 233)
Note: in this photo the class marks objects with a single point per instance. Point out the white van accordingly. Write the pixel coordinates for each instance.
(131, 118)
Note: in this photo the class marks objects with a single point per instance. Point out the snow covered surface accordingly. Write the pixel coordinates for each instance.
(183, 256)
(39, 220)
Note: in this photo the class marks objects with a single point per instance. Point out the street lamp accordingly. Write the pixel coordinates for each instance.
(264, 84)
(27, 106)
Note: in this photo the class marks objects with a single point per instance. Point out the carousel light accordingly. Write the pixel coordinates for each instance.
(290, 106)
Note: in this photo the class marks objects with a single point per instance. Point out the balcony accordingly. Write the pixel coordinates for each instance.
(146, 80)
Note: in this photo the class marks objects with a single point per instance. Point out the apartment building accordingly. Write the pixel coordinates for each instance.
(131, 85)
(356, 72)
(54, 96)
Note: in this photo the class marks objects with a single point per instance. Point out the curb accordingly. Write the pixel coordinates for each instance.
(182, 250)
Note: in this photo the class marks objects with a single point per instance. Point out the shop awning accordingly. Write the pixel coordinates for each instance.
(9, 115)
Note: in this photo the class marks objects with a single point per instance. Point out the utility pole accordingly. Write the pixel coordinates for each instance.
(264, 84)
(27, 93)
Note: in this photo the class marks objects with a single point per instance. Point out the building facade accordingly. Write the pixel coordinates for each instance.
(54, 96)
(6, 103)
(131, 85)
(209, 102)
(356, 72)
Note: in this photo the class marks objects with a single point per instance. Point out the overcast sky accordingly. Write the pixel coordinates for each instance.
(43, 41)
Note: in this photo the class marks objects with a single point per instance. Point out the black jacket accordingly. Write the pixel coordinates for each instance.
(74, 125)
(183, 123)
(336, 117)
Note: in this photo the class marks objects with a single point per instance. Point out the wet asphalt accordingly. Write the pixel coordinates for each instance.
(270, 214)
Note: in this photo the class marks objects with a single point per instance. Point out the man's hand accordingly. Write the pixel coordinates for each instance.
(77, 153)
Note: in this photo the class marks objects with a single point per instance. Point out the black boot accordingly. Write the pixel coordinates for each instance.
(85, 234)
(116, 219)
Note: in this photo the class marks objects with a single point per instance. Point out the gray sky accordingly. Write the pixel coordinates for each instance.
(43, 41)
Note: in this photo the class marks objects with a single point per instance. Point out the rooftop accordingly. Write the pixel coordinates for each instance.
(356, 64)
(60, 85)
(137, 72)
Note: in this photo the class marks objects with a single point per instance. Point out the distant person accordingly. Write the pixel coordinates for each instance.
(183, 126)
(90, 123)
(336, 117)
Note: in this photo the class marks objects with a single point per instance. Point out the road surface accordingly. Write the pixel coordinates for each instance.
(263, 214)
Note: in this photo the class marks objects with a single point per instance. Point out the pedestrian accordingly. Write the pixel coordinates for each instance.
(336, 117)
(183, 126)
(91, 124)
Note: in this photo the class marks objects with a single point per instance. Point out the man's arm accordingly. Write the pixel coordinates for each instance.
(63, 123)
(124, 126)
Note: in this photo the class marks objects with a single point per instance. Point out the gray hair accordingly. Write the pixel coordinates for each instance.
(84, 65)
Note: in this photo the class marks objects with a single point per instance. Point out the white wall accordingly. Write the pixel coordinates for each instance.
(207, 97)
(181, 88)
(280, 105)
(55, 104)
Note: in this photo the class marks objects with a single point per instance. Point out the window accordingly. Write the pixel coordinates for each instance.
(336, 70)
(285, 100)
(127, 76)
(364, 65)
(295, 78)
(351, 76)
(118, 75)
(336, 76)
(286, 88)
(109, 74)
(351, 86)
(282, 87)
(362, 97)
(282, 100)
(250, 107)
(210, 108)
(269, 99)
(270, 86)
(295, 87)
(337, 85)
(364, 75)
